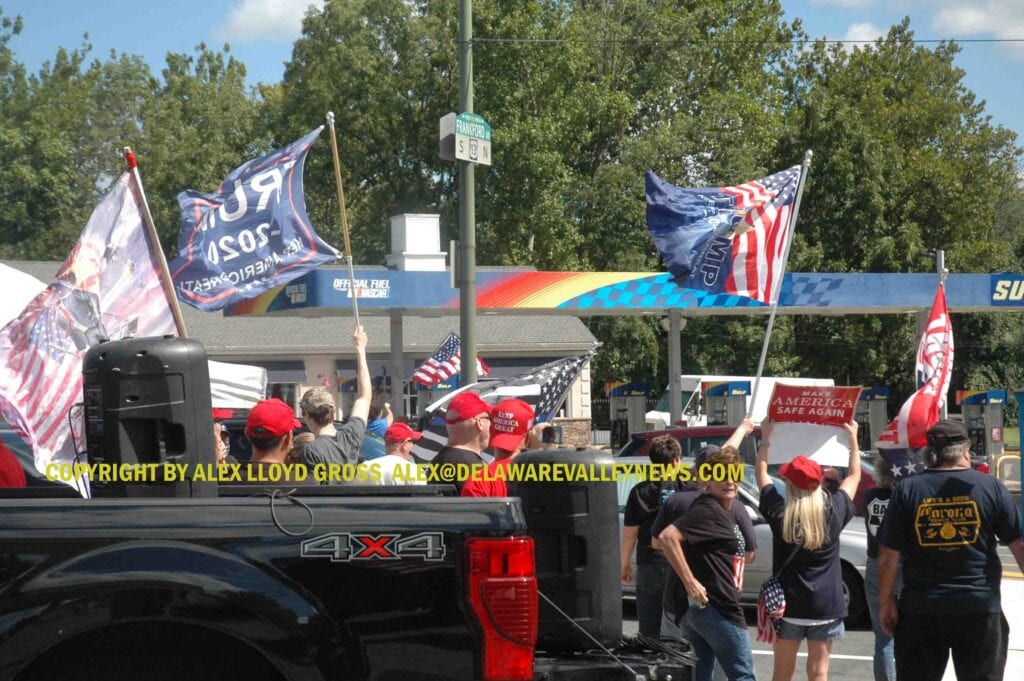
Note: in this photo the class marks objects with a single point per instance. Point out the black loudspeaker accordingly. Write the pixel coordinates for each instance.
(575, 529)
(147, 401)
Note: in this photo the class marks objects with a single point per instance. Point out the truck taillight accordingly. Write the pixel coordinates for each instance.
(502, 592)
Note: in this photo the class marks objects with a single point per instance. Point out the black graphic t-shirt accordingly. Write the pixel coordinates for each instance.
(946, 524)
(876, 500)
(642, 508)
(671, 513)
(714, 548)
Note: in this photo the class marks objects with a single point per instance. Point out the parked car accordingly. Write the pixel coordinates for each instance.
(853, 546)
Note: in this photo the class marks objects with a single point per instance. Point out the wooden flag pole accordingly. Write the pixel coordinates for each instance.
(154, 244)
(778, 283)
(344, 217)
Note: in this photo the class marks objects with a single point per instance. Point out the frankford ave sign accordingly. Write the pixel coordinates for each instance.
(466, 137)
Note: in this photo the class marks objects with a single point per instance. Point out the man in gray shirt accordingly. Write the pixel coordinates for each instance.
(337, 446)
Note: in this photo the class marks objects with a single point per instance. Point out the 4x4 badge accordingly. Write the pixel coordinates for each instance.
(343, 547)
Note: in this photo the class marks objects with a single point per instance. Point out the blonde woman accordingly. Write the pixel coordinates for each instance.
(806, 524)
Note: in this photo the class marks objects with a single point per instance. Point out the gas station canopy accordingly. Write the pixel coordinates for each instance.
(326, 292)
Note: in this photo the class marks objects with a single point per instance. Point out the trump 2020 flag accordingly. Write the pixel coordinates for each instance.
(249, 236)
(934, 369)
(729, 240)
(108, 288)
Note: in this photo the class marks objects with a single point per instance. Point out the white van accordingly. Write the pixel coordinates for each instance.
(693, 402)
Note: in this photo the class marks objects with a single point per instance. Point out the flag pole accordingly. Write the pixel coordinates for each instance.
(344, 217)
(154, 244)
(778, 283)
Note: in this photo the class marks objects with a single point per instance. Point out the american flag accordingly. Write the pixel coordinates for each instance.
(445, 363)
(728, 240)
(921, 410)
(108, 288)
(544, 388)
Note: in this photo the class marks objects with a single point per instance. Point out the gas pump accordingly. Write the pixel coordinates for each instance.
(872, 415)
(982, 412)
(627, 404)
(725, 402)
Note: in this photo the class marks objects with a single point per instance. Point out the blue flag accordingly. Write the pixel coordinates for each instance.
(724, 239)
(249, 236)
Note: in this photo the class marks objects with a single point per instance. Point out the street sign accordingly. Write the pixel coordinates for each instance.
(466, 137)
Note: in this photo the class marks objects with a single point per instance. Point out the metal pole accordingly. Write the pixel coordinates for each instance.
(675, 388)
(397, 365)
(467, 205)
(778, 283)
(940, 268)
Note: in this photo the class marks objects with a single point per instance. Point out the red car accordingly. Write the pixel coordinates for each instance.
(692, 439)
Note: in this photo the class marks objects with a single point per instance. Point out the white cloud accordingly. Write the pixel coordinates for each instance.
(864, 31)
(278, 20)
(847, 4)
(998, 19)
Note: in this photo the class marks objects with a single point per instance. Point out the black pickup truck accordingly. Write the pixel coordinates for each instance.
(190, 580)
(311, 583)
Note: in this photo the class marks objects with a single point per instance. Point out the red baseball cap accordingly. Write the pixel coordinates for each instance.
(271, 418)
(466, 405)
(510, 421)
(802, 472)
(400, 432)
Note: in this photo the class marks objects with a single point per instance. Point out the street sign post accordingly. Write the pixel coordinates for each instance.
(466, 137)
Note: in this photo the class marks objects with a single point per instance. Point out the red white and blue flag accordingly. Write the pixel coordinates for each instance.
(445, 363)
(108, 288)
(921, 410)
(249, 236)
(728, 240)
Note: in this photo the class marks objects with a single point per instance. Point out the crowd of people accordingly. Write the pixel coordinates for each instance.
(932, 572)
(473, 427)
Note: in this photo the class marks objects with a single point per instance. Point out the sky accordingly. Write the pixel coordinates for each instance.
(261, 32)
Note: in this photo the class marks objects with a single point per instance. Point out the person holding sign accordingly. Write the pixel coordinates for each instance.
(806, 524)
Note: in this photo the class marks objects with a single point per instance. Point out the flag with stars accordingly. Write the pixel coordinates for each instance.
(921, 410)
(544, 388)
(445, 363)
(249, 236)
(729, 240)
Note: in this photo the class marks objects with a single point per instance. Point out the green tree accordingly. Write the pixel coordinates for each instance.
(905, 160)
(583, 97)
(201, 123)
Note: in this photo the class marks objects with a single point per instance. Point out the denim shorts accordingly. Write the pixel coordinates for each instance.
(832, 631)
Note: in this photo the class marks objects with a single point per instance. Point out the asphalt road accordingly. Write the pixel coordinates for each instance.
(851, 658)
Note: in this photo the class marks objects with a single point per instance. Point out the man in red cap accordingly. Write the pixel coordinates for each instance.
(269, 428)
(468, 421)
(397, 466)
(510, 424)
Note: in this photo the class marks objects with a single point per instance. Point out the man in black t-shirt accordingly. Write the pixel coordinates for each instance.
(641, 509)
(944, 524)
